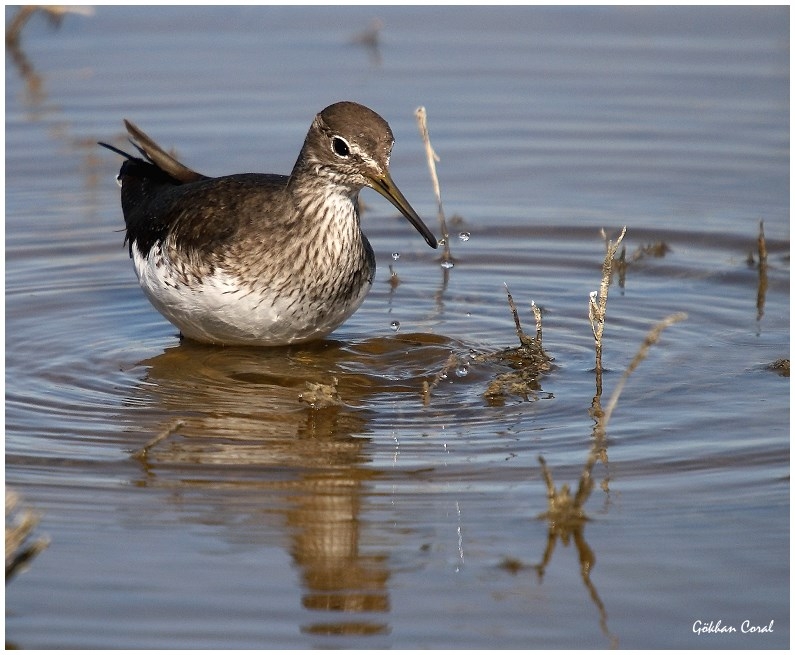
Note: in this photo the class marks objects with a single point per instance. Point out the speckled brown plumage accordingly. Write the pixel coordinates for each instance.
(255, 258)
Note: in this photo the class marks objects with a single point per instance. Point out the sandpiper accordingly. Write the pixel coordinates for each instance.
(261, 259)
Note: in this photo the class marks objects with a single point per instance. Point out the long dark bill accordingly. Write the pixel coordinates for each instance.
(386, 187)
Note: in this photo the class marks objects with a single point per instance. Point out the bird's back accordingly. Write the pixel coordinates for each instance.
(161, 197)
(201, 215)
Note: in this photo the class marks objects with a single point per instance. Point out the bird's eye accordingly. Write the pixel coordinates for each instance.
(340, 147)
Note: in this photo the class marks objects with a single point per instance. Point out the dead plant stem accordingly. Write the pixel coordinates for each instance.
(432, 158)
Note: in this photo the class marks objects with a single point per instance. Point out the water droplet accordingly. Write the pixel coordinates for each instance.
(462, 370)
(395, 325)
(447, 264)
(395, 256)
(464, 236)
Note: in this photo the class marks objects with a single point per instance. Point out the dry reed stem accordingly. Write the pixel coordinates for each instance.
(537, 315)
(761, 290)
(452, 360)
(164, 434)
(432, 158)
(651, 338)
(762, 244)
(519, 331)
(524, 340)
(20, 523)
(370, 37)
(53, 13)
(597, 303)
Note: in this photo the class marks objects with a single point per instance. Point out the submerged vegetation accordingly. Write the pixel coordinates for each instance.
(565, 513)
(21, 547)
(527, 361)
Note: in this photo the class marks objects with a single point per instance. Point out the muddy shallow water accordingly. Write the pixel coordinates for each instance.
(194, 496)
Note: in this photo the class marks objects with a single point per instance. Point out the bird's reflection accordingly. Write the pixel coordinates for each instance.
(325, 531)
(243, 444)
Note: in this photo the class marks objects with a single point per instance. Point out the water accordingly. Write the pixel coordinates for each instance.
(367, 492)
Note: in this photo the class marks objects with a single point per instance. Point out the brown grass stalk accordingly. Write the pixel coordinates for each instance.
(432, 158)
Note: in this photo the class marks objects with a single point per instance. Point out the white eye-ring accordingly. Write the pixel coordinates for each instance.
(341, 147)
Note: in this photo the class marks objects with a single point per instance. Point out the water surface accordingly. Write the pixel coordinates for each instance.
(390, 518)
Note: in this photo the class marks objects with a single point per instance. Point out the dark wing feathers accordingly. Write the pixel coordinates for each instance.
(143, 181)
(159, 157)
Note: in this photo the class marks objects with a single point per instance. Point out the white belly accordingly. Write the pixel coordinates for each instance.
(219, 309)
